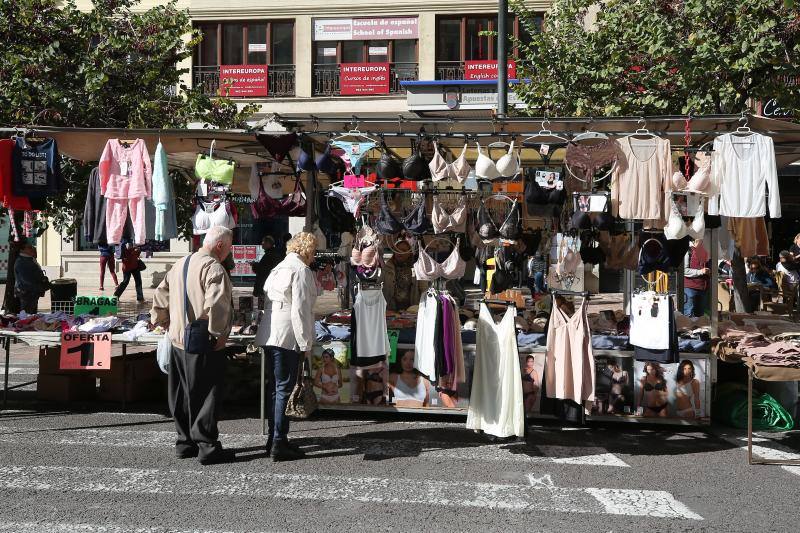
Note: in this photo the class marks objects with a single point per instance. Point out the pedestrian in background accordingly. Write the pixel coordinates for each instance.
(196, 379)
(107, 260)
(287, 333)
(30, 283)
(132, 267)
(264, 266)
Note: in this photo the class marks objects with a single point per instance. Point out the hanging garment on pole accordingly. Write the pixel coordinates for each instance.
(495, 404)
(653, 333)
(569, 363)
(369, 340)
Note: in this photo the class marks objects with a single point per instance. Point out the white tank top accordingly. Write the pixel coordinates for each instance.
(403, 392)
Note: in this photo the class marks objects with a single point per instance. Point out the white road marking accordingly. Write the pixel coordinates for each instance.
(374, 490)
(57, 527)
(325, 446)
(772, 454)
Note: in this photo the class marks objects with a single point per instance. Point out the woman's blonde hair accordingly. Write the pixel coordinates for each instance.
(303, 244)
(796, 237)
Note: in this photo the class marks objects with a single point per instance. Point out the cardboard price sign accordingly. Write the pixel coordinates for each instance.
(364, 78)
(85, 351)
(96, 305)
(487, 70)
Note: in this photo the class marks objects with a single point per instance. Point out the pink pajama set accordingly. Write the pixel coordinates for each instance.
(125, 181)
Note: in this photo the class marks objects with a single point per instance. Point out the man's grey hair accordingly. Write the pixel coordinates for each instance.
(217, 234)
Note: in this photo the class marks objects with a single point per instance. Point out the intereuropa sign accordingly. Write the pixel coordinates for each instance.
(487, 70)
(364, 78)
(243, 80)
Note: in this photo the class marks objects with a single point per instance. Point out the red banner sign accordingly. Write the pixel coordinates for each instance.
(363, 78)
(243, 80)
(85, 351)
(487, 70)
(243, 255)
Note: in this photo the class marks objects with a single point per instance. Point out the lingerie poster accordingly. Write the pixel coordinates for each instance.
(670, 390)
(387, 384)
(532, 372)
(614, 389)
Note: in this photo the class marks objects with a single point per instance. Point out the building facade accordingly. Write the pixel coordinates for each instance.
(311, 56)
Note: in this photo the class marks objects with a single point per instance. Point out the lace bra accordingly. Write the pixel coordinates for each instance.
(509, 229)
(441, 169)
(366, 252)
(585, 160)
(208, 215)
(416, 222)
(700, 180)
(677, 229)
(264, 206)
(455, 222)
(428, 269)
(507, 166)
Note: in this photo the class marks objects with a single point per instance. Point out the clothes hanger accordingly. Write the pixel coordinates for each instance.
(743, 133)
(545, 132)
(642, 132)
(355, 133)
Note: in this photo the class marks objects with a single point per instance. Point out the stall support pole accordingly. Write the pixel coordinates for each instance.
(502, 58)
(714, 281)
(263, 391)
(7, 342)
(124, 377)
(311, 202)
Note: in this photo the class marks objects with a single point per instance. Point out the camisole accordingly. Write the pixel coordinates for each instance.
(455, 222)
(427, 269)
(441, 169)
(402, 391)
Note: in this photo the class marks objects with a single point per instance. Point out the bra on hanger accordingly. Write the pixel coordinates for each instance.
(509, 229)
(441, 169)
(507, 166)
(264, 205)
(654, 256)
(294, 205)
(208, 215)
(426, 268)
(456, 221)
(699, 181)
(388, 167)
(366, 251)
(416, 222)
(414, 166)
(677, 229)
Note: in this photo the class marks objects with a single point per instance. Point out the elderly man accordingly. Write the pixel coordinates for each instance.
(195, 379)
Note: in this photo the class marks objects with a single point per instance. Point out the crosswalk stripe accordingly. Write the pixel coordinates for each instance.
(771, 454)
(373, 490)
(321, 445)
(60, 527)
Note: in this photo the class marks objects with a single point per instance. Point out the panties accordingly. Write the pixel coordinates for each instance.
(354, 151)
(351, 198)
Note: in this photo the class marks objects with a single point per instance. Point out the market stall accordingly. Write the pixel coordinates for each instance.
(526, 262)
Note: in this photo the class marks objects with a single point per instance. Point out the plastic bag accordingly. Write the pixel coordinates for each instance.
(164, 353)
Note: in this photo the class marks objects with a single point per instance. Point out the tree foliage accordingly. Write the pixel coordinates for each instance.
(660, 56)
(112, 67)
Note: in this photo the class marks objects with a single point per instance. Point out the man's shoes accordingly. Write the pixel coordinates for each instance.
(268, 447)
(219, 457)
(281, 451)
(295, 448)
(186, 453)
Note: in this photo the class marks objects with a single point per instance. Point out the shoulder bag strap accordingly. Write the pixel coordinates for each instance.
(186, 287)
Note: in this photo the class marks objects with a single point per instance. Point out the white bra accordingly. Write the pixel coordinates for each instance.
(428, 269)
(507, 166)
(677, 229)
(207, 216)
(443, 221)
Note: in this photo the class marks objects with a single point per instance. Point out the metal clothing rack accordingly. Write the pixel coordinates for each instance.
(563, 292)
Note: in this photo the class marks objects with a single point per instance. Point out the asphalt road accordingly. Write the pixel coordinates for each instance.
(115, 472)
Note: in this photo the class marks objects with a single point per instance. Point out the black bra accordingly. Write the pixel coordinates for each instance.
(509, 230)
(388, 167)
(582, 220)
(654, 256)
(658, 386)
(591, 252)
(416, 222)
(415, 168)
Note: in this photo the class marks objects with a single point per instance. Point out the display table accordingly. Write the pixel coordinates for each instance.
(765, 373)
(43, 339)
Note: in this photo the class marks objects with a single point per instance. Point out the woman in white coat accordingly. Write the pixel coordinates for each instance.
(287, 333)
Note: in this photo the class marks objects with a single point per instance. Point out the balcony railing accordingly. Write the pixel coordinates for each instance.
(280, 79)
(449, 70)
(326, 78)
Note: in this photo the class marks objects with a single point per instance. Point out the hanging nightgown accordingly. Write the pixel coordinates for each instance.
(495, 403)
(569, 363)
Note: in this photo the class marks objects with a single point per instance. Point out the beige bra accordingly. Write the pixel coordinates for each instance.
(442, 170)
(443, 222)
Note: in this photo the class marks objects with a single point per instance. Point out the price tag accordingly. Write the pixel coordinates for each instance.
(85, 351)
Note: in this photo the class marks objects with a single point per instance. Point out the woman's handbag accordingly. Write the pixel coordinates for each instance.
(302, 401)
(140, 266)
